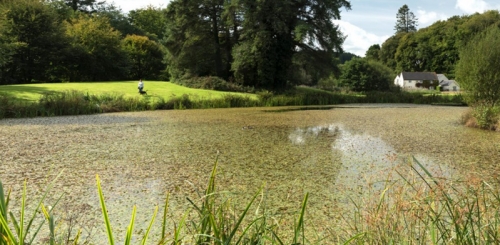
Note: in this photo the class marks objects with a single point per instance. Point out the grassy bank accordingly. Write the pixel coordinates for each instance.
(413, 207)
(18, 101)
(154, 89)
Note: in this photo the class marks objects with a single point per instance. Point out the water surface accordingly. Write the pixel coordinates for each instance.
(333, 154)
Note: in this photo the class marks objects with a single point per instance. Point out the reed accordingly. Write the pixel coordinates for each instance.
(78, 103)
(413, 207)
(419, 208)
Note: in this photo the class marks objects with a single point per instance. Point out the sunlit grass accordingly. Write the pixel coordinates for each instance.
(156, 89)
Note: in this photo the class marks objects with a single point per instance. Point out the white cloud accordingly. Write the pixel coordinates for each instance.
(472, 6)
(427, 18)
(358, 40)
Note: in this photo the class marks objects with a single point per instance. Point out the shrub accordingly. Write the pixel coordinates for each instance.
(213, 83)
(487, 117)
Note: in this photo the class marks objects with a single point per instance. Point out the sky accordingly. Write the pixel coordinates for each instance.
(371, 22)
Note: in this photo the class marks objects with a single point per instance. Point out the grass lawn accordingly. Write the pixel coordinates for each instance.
(155, 89)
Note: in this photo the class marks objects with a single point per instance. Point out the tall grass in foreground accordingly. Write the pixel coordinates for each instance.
(214, 220)
(419, 208)
(414, 208)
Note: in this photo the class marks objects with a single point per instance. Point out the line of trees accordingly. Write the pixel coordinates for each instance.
(76, 40)
(269, 44)
(434, 48)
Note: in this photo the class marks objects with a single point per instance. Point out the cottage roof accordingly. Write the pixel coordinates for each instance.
(448, 83)
(442, 77)
(420, 76)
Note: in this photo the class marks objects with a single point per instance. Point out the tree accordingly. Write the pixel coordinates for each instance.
(38, 41)
(344, 57)
(388, 50)
(117, 19)
(275, 31)
(361, 74)
(146, 57)
(195, 38)
(97, 53)
(6, 45)
(477, 70)
(151, 20)
(86, 6)
(373, 52)
(406, 20)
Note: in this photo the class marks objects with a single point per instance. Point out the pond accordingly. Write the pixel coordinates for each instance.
(333, 153)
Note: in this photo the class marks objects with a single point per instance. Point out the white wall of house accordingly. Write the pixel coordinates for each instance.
(405, 84)
(411, 84)
(452, 86)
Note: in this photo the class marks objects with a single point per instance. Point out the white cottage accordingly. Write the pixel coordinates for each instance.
(417, 80)
(446, 84)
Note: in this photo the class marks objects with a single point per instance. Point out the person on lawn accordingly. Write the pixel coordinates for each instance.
(140, 86)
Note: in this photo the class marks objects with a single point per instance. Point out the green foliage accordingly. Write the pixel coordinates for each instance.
(117, 19)
(272, 33)
(37, 43)
(151, 20)
(414, 206)
(86, 6)
(487, 117)
(373, 52)
(406, 20)
(96, 50)
(344, 57)
(7, 48)
(366, 75)
(146, 57)
(477, 70)
(194, 39)
(388, 51)
(79, 103)
(213, 83)
(435, 48)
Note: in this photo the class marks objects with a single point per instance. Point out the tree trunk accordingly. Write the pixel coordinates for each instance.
(215, 33)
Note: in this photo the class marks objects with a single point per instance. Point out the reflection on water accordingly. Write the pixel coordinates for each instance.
(367, 162)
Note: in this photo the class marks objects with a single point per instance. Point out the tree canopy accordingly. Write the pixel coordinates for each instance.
(262, 44)
(373, 52)
(477, 69)
(406, 20)
(37, 41)
(436, 47)
(361, 74)
(274, 32)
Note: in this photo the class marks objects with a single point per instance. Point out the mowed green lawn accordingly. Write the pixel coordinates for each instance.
(154, 89)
